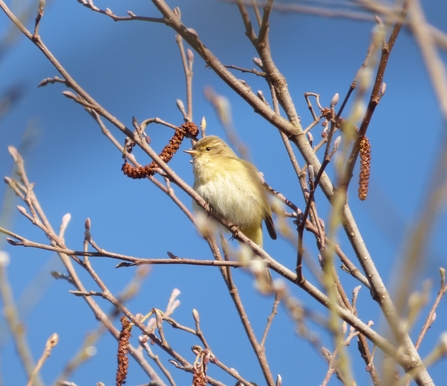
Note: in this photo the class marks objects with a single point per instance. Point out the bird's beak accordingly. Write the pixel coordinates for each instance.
(192, 152)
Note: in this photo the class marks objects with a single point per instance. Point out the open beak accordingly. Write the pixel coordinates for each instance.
(192, 152)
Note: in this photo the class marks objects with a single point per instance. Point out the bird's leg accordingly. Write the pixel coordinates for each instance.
(207, 208)
(234, 230)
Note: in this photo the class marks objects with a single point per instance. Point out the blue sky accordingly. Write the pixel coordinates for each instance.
(134, 69)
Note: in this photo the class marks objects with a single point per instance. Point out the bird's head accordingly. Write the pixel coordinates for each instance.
(210, 147)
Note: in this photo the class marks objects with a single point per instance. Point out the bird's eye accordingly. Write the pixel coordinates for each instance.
(208, 148)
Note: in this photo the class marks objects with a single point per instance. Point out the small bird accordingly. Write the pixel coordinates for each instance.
(232, 187)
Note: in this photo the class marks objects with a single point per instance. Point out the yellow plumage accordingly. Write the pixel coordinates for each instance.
(231, 186)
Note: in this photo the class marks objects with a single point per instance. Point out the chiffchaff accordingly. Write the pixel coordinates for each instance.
(232, 187)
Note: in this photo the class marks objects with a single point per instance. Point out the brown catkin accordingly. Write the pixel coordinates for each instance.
(123, 350)
(199, 379)
(365, 167)
(138, 172)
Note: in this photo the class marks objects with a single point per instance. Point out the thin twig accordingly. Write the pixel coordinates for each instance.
(187, 63)
(431, 314)
(50, 344)
(270, 318)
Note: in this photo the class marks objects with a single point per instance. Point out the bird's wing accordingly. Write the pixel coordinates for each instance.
(268, 214)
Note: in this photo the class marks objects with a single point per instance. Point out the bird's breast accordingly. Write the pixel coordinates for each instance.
(231, 192)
